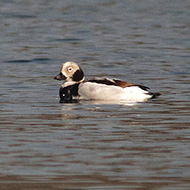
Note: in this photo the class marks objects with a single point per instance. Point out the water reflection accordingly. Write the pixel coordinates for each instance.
(102, 102)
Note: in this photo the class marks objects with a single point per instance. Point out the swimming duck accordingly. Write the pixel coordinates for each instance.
(77, 87)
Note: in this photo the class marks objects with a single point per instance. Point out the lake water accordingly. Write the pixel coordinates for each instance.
(94, 145)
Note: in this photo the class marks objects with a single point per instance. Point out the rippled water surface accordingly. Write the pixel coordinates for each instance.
(94, 145)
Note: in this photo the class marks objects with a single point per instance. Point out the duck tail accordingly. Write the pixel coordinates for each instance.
(154, 94)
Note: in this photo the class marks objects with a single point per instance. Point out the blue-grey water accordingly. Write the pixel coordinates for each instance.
(94, 145)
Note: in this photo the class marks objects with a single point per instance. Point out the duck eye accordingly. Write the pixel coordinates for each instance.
(70, 69)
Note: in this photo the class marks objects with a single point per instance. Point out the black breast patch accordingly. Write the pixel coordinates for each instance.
(66, 93)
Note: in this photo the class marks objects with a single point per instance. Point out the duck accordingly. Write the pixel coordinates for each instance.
(76, 87)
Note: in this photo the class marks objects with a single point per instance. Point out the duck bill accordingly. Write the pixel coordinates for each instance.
(60, 76)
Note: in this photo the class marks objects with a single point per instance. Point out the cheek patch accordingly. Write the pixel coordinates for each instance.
(78, 75)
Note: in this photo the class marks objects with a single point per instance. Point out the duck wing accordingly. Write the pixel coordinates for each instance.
(116, 82)
(107, 81)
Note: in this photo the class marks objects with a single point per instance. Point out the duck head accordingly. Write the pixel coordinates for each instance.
(70, 72)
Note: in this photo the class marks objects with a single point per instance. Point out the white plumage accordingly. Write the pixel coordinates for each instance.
(91, 90)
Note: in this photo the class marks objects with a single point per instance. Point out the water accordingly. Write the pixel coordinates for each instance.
(94, 145)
